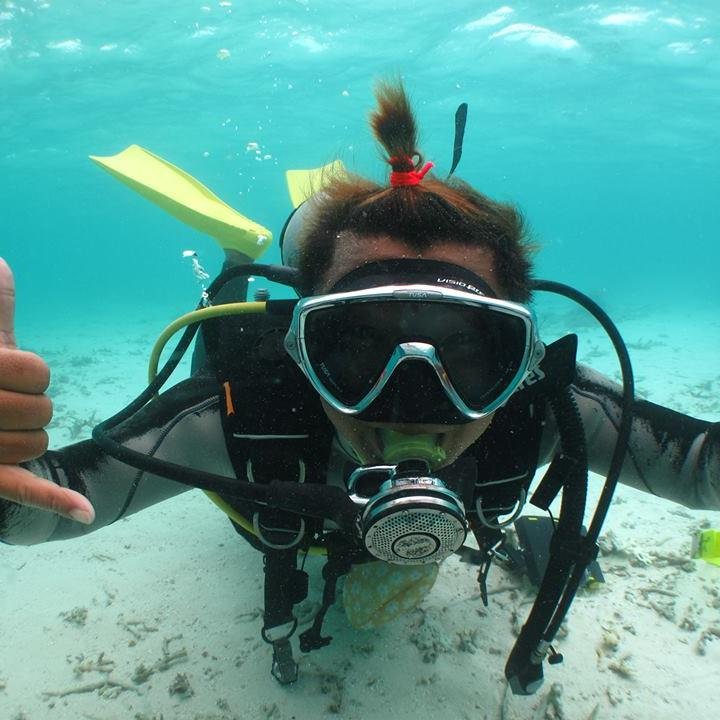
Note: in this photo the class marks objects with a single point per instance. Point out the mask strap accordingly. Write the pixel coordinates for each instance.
(460, 121)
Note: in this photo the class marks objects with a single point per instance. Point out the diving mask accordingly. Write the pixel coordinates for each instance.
(418, 341)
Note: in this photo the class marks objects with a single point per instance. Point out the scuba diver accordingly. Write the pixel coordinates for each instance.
(395, 411)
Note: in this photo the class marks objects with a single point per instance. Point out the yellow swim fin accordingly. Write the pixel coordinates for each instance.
(303, 184)
(186, 199)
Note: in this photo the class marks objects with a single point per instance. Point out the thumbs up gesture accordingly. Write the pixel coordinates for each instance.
(24, 411)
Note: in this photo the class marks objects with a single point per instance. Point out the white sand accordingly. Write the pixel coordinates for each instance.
(176, 579)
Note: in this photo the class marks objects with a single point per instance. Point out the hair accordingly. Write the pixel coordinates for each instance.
(432, 212)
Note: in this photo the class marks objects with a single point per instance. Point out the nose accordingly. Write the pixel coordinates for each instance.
(413, 395)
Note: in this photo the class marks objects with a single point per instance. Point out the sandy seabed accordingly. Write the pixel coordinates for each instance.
(158, 616)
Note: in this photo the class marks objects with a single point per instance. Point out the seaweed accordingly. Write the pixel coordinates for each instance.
(139, 629)
(76, 616)
(107, 688)
(143, 672)
(102, 665)
(181, 686)
(623, 668)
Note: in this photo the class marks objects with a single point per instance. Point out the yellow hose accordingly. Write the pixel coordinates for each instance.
(245, 524)
(196, 316)
(183, 321)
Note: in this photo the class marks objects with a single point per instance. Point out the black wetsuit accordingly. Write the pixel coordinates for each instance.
(671, 455)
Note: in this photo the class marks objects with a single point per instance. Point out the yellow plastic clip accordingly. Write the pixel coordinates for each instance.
(706, 546)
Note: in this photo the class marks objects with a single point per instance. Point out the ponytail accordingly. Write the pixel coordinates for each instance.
(394, 127)
(420, 214)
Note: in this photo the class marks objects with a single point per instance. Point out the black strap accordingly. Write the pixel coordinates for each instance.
(341, 556)
(285, 586)
(460, 121)
(524, 666)
(312, 638)
(556, 477)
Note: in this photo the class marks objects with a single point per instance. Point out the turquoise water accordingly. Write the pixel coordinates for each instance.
(599, 120)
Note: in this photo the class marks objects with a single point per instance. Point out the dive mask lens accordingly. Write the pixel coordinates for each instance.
(478, 349)
(483, 354)
(348, 349)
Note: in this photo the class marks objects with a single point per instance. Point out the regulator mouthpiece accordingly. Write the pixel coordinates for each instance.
(397, 447)
(408, 517)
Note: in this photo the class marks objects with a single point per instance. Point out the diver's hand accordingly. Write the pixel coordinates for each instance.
(24, 411)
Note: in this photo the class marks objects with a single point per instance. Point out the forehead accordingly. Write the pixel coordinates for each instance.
(354, 251)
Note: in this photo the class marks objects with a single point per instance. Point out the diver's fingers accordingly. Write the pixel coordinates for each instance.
(19, 370)
(23, 371)
(21, 411)
(24, 410)
(23, 445)
(21, 486)
(7, 306)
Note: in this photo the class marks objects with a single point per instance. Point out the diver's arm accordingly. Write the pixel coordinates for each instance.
(671, 455)
(181, 425)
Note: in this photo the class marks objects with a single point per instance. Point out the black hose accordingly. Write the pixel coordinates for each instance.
(520, 668)
(566, 571)
(309, 499)
(628, 397)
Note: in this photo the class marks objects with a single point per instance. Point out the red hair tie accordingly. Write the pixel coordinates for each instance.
(412, 177)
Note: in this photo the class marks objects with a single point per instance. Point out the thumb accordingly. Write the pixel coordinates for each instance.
(7, 307)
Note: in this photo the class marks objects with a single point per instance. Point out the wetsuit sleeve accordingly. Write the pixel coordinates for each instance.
(182, 425)
(671, 455)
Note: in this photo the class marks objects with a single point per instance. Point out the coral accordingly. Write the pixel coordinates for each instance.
(76, 616)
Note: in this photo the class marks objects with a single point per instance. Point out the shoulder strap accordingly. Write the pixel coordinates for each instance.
(507, 453)
(273, 421)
